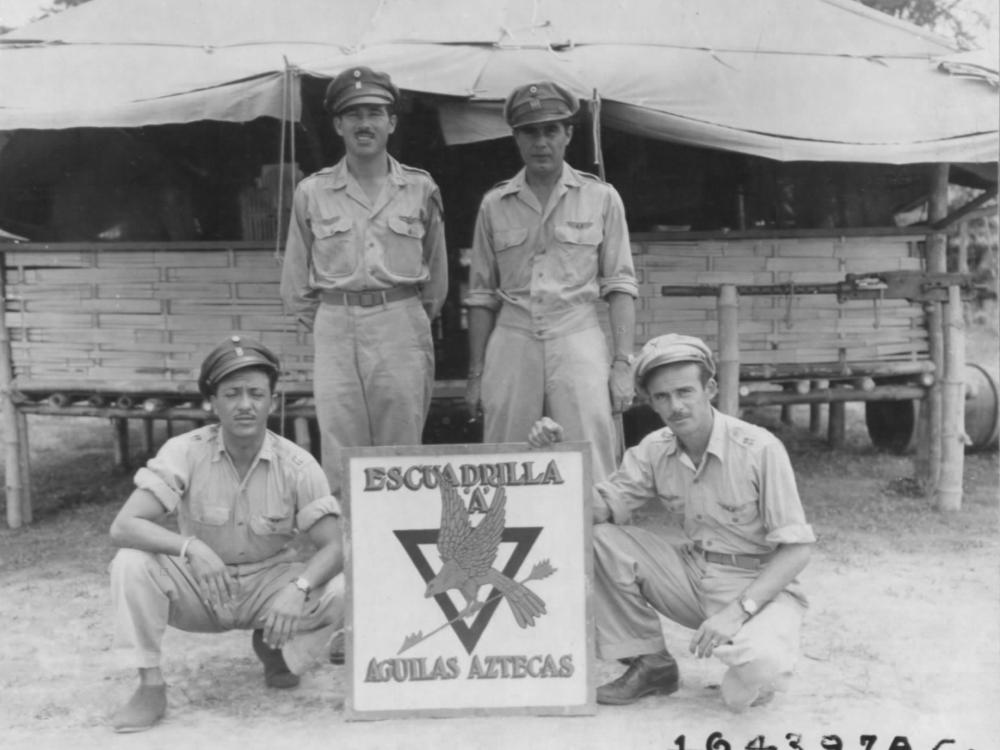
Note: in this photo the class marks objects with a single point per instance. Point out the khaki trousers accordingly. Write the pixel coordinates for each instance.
(638, 573)
(150, 591)
(373, 377)
(565, 378)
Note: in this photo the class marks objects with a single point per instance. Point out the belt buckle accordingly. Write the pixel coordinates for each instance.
(369, 299)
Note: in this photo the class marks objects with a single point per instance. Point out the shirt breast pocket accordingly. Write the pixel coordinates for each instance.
(333, 246)
(739, 511)
(506, 243)
(206, 513)
(404, 255)
(272, 522)
(576, 245)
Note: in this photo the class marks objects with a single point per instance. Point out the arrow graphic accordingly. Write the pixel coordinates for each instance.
(542, 569)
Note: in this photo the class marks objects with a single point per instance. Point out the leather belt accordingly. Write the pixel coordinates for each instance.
(369, 298)
(747, 562)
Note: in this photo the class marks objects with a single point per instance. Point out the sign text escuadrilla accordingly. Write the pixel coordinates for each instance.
(467, 573)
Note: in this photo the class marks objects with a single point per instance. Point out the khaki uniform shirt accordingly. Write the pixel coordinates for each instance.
(546, 266)
(242, 521)
(741, 500)
(339, 240)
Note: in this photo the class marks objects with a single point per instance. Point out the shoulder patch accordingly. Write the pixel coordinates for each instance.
(589, 176)
(498, 185)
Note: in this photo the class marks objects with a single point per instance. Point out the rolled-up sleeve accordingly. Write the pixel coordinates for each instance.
(166, 475)
(617, 271)
(327, 505)
(784, 518)
(300, 298)
(313, 498)
(629, 488)
(483, 273)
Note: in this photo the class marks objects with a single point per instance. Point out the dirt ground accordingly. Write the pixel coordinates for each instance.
(902, 641)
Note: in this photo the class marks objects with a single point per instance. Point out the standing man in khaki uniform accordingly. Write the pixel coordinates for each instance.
(241, 494)
(731, 487)
(549, 243)
(366, 271)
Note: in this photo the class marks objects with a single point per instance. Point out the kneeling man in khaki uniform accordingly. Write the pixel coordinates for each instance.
(733, 581)
(240, 493)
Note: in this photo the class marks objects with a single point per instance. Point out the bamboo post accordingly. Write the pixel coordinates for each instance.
(302, 438)
(147, 437)
(948, 494)
(835, 428)
(24, 453)
(929, 446)
(728, 375)
(12, 437)
(119, 429)
(816, 410)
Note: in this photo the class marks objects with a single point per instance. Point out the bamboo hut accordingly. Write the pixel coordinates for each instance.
(760, 175)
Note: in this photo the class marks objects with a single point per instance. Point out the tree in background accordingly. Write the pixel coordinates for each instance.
(952, 18)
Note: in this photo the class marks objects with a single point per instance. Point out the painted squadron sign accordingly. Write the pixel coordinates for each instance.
(467, 579)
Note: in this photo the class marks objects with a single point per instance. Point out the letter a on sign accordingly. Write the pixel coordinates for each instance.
(467, 591)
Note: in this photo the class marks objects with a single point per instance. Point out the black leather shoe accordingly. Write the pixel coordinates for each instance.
(647, 674)
(276, 672)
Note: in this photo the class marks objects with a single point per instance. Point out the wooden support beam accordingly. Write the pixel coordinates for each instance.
(948, 494)
(24, 454)
(835, 430)
(833, 395)
(12, 437)
(119, 429)
(928, 467)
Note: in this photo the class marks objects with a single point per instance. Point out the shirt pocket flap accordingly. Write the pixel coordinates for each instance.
(408, 226)
(210, 515)
(573, 235)
(508, 238)
(329, 227)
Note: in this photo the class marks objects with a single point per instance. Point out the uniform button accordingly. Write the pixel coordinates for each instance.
(698, 517)
(708, 543)
(240, 523)
(735, 519)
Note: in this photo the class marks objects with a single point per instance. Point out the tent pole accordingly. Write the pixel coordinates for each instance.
(595, 132)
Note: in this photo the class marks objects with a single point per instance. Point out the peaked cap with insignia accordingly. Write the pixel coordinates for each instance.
(234, 354)
(544, 101)
(359, 85)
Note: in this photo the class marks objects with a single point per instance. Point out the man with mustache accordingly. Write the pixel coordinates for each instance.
(733, 581)
(549, 245)
(241, 494)
(365, 270)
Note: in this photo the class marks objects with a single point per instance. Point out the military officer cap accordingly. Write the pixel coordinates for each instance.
(535, 103)
(670, 349)
(359, 85)
(233, 354)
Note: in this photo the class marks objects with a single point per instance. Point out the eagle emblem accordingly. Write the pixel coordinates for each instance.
(468, 553)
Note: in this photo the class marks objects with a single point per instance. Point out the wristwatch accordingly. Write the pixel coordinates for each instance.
(749, 606)
(302, 585)
(626, 358)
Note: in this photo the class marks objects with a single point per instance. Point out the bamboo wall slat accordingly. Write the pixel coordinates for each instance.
(142, 318)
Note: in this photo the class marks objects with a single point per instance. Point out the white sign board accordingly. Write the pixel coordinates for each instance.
(467, 570)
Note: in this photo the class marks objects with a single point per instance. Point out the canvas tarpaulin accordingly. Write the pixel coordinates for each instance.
(785, 79)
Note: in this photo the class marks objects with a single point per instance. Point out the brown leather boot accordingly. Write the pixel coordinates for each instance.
(276, 672)
(647, 674)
